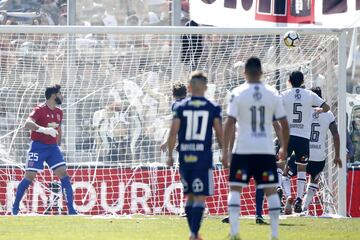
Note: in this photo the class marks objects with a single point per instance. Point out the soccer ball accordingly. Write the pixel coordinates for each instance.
(291, 39)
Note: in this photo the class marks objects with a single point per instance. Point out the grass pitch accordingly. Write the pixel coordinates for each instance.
(162, 227)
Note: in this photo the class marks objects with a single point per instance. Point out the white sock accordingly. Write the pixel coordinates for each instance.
(310, 192)
(274, 212)
(301, 182)
(286, 186)
(280, 174)
(234, 212)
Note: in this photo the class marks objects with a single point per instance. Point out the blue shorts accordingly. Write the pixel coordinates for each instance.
(40, 152)
(197, 181)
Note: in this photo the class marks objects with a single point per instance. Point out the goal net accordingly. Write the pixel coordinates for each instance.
(117, 86)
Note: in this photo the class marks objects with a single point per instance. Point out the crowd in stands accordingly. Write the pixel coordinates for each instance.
(90, 12)
(135, 84)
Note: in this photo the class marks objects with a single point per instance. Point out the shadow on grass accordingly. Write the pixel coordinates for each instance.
(290, 224)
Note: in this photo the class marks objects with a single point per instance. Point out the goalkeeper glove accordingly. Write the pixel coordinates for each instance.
(48, 131)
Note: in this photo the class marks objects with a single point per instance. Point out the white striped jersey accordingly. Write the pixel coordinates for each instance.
(319, 128)
(298, 103)
(255, 106)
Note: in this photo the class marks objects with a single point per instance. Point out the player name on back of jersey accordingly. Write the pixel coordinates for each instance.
(191, 147)
(315, 146)
(296, 125)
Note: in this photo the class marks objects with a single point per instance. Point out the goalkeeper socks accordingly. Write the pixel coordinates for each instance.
(68, 192)
(197, 213)
(274, 212)
(286, 186)
(280, 174)
(188, 211)
(23, 185)
(259, 199)
(234, 212)
(311, 190)
(301, 182)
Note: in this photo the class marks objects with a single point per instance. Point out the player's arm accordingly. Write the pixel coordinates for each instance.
(280, 117)
(228, 139)
(283, 138)
(336, 138)
(31, 124)
(217, 125)
(229, 130)
(317, 101)
(218, 131)
(277, 129)
(325, 107)
(174, 129)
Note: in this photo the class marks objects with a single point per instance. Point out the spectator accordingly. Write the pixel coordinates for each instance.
(111, 131)
(355, 131)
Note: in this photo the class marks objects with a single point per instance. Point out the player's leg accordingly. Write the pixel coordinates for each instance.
(188, 208)
(22, 187)
(34, 163)
(266, 178)
(202, 185)
(289, 172)
(197, 215)
(259, 200)
(280, 171)
(185, 179)
(314, 169)
(301, 153)
(66, 188)
(274, 210)
(240, 174)
(57, 164)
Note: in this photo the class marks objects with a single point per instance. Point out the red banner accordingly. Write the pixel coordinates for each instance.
(120, 191)
(353, 192)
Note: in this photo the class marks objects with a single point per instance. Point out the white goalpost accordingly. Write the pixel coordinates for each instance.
(117, 84)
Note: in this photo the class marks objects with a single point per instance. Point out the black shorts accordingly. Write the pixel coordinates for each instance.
(260, 166)
(315, 168)
(300, 147)
(292, 167)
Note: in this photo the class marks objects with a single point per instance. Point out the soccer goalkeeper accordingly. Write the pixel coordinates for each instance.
(44, 122)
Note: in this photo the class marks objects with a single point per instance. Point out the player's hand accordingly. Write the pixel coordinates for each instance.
(163, 147)
(225, 159)
(337, 162)
(318, 109)
(170, 161)
(282, 154)
(48, 131)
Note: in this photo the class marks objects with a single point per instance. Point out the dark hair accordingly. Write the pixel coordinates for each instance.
(179, 90)
(296, 78)
(52, 90)
(317, 90)
(198, 76)
(253, 66)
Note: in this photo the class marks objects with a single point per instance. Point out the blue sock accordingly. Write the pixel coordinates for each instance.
(188, 211)
(259, 199)
(197, 213)
(68, 192)
(23, 185)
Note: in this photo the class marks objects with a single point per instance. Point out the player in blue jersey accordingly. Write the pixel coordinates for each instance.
(179, 93)
(193, 122)
(45, 125)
